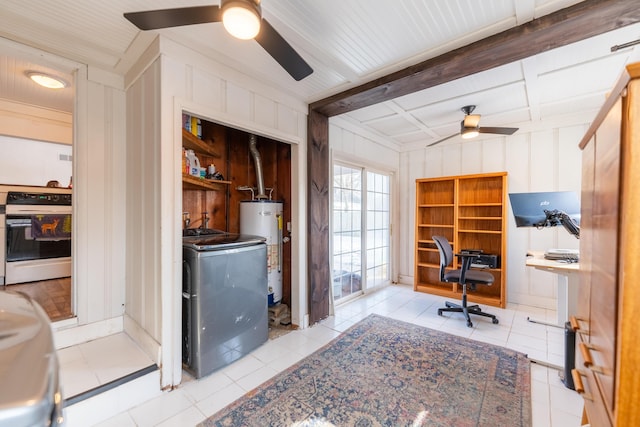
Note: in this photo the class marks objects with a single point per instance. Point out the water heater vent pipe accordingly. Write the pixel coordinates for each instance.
(258, 165)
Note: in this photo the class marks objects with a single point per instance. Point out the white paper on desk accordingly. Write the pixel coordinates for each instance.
(561, 253)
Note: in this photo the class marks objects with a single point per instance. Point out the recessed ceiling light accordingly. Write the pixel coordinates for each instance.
(47, 80)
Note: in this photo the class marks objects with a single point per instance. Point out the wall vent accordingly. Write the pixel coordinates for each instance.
(65, 157)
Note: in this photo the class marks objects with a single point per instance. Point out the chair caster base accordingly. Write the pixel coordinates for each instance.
(466, 310)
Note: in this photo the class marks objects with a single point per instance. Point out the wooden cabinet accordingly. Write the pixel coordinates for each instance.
(607, 354)
(470, 211)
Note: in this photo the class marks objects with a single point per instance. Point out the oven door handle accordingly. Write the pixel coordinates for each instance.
(23, 222)
(42, 210)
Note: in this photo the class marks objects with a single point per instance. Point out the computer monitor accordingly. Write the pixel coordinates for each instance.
(535, 209)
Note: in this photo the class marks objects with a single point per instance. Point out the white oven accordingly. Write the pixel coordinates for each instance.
(37, 236)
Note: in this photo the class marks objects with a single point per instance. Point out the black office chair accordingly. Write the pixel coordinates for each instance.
(465, 276)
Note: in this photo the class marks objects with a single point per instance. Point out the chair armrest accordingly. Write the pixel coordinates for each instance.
(471, 251)
(467, 259)
(468, 255)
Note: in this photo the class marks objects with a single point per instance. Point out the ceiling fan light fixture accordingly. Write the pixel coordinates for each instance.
(241, 18)
(47, 80)
(468, 133)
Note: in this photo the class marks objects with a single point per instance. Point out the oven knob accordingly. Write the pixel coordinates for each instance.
(54, 197)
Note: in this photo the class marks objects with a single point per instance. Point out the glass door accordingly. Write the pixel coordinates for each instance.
(361, 230)
(347, 231)
(378, 229)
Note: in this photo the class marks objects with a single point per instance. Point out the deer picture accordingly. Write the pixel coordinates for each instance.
(50, 227)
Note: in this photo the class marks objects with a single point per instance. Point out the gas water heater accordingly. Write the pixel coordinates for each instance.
(264, 218)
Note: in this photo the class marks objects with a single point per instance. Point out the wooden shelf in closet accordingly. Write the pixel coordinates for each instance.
(192, 142)
(190, 182)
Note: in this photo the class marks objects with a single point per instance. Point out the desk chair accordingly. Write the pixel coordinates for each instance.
(464, 276)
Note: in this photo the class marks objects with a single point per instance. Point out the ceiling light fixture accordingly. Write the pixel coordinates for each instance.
(47, 80)
(241, 18)
(468, 133)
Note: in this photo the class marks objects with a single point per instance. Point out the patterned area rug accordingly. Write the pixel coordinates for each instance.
(384, 372)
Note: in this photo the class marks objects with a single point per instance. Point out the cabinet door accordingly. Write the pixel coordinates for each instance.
(604, 265)
(594, 405)
(627, 410)
(586, 234)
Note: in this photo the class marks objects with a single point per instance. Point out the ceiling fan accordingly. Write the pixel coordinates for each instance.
(470, 127)
(241, 18)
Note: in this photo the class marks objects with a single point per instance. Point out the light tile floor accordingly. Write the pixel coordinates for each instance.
(95, 363)
(553, 404)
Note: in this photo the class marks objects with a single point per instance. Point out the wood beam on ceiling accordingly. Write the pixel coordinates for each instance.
(583, 20)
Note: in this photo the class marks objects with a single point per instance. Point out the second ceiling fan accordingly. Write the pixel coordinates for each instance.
(241, 18)
(470, 127)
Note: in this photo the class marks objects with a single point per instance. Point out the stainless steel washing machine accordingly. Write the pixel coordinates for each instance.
(224, 299)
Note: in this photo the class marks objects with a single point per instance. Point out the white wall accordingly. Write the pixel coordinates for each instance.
(347, 141)
(33, 121)
(144, 211)
(99, 184)
(548, 160)
(168, 80)
(29, 162)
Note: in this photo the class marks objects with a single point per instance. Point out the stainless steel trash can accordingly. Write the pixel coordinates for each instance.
(29, 370)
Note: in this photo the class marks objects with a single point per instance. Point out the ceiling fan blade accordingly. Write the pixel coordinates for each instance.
(442, 140)
(282, 52)
(498, 130)
(164, 18)
(471, 120)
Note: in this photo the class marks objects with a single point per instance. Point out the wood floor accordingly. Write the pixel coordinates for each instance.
(53, 295)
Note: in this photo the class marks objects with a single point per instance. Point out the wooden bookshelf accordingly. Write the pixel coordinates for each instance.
(470, 211)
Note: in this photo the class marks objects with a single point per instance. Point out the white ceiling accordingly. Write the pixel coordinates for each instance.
(347, 43)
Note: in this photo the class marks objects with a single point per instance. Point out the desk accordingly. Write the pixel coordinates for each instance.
(568, 281)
